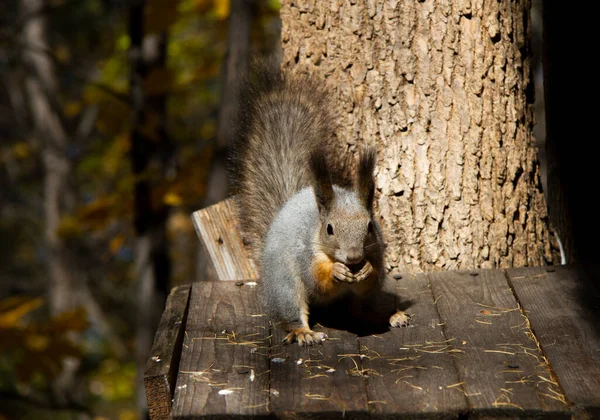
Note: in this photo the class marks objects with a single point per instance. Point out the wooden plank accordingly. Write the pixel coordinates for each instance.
(563, 307)
(163, 365)
(317, 382)
(502, 369)
(218, 230)
(412, 369)
(224, 364)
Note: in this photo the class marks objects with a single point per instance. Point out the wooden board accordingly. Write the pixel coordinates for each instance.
(502, 370)
(482, 344)
(163, 364)
(224, 367)
(411, 369)
(219, 233)
(564, 310)
(320, 381)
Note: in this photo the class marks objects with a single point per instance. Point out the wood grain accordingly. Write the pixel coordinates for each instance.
(218, 230)
(475, 348)
(564, 310)
(224, 364)
(412, 368)
(502, 370)
(162, 366)
(321, 381)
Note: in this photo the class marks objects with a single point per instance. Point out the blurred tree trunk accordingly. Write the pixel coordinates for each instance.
(444, 90)
(235, 66)
(151, 153)
(571, 144)
(41, 92)
(40, 85)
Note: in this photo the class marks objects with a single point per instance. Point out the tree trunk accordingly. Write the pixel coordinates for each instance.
(444, 90)
(41, 91)
(151, 152)
(40, 85)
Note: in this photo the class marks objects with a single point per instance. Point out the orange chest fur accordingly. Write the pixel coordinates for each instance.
(328, 287)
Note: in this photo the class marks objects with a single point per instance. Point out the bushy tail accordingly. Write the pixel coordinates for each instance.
(282, 118)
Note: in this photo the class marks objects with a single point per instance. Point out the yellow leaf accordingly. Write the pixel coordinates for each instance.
(21, 150)
(98, 213)
(62, 53)
(123, 42)
(172, 199)
(222, 9)
(12, 316)
(37, 342)
(116, 243)
(72, 108)
(75, 320)
(274, 5)
(115, 158)
(123, 143)
(128, 414)
(69, 227)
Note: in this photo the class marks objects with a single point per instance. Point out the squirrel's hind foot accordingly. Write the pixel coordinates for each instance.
(305, 337)
(399, 319)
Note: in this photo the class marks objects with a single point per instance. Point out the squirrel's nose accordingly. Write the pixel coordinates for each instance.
(354, 256)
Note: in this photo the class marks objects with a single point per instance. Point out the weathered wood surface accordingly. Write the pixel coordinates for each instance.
(322, 380)
(224, 366)
(218, 230)
(519, 343)
(163, 366)
(563, 307)
(407, 364)
(499, 365)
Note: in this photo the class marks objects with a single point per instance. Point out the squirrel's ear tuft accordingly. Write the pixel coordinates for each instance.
(365, 183)
(321, 181)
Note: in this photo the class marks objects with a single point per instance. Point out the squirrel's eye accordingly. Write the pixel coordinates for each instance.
(329, 229)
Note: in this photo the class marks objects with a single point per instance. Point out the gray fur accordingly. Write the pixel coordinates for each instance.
(290, 247)
(283, 118)
(279, 163)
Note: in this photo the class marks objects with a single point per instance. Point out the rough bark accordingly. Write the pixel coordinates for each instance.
(444, 89)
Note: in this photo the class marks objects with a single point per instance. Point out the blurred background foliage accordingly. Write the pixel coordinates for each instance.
(88, 44)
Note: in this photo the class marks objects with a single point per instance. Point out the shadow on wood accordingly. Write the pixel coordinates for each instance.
(360, 318)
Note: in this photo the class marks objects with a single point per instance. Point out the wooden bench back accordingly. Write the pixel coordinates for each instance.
(219, 232)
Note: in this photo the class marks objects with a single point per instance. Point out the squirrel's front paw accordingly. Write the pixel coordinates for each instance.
(305, 337)
(342, 273)
(399, 319)
(364, 272)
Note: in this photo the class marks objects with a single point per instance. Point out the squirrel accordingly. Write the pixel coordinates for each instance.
(314, 241)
